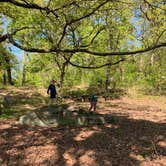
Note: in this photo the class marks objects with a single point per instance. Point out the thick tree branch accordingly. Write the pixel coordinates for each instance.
(146, 15)
(11, 40)
(63, 35)
(57, 62)
(3, 37)
(88, 14)
(25, 5)
(114, 53)
(94, 37)
(47, 10)
(35, 6)
(153, 6)
(7, 35)
(79, 50)
(79, 19)
(95, 67)
(157, 40)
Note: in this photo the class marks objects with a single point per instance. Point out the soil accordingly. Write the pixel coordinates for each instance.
(137, 137)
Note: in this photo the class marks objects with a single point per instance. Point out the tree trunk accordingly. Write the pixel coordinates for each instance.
(23, 70)
(23, 76)
(62, 79)
(4, 78)
(108, 79)
(121, 73)
(8, 69)
(108, 69)
(62, 68)
(9, 75)
(62, 74)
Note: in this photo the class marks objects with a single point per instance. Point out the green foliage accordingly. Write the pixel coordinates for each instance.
(116, 26)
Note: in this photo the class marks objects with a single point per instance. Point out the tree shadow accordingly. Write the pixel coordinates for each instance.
(125, 142)
(15, 104)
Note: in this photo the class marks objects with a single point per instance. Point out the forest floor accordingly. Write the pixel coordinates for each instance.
(138, 136)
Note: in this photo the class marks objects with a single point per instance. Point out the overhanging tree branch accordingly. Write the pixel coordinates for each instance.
(88, 14)
(114, 53)
(7, 35)
(94, 37)
(153, 6)
(25, 5)
(160, 35)
(28, 5)
(68, 23)
(3, 37)
(80, 50)
(96, 67)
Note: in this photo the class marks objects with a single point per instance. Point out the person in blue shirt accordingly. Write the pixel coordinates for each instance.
(52, 90)
(93, 102)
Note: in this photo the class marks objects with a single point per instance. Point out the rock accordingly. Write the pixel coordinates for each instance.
(62, 116)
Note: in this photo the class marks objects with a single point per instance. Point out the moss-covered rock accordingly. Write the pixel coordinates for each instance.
(63, 115)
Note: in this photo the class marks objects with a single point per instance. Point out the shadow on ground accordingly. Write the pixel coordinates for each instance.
(64, 115)
(126, 142)
(17, 103)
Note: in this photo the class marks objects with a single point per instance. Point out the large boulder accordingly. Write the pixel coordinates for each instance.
(63, 115)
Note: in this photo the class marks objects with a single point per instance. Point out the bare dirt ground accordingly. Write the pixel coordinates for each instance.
(137, 137)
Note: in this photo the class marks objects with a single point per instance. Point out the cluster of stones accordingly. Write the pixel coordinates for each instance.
(63, 115)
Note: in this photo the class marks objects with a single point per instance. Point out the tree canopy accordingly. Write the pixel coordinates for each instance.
(60, 26)
(89, 35)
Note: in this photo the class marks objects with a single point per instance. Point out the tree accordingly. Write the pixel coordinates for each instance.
(7, 61)
(60, 16)
(89, 35)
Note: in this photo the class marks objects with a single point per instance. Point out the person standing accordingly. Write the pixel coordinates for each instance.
(93, 102)
(52, 90)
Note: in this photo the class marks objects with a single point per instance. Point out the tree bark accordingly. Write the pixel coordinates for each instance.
(9, 75)
(4, 78)
(8, 69)
(109, 59)
(23, 76)
(62, 76)
(108, 77)
(23, 70)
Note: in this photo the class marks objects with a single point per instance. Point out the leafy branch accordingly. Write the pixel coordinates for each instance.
(80, 50)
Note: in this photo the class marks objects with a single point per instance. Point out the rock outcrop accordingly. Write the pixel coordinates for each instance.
(63, 115)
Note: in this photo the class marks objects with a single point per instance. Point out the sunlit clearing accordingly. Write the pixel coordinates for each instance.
(84, 134)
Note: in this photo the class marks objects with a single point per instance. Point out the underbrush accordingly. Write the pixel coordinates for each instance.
(83, 94)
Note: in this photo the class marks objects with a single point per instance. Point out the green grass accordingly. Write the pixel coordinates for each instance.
(12, 113)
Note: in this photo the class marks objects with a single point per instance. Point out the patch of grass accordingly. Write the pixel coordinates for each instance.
(137, 92)
(66, 121)
(12, 113)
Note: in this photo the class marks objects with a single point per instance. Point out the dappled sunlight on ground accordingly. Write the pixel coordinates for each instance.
(88, 158)
(136, 137)
(151, 110)
(25, 106)
(84, 134)
(34, 155)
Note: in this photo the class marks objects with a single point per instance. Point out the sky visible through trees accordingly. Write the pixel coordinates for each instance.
(89, 35)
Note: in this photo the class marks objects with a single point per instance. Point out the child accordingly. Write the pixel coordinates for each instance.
(93, 102)
(52, 90)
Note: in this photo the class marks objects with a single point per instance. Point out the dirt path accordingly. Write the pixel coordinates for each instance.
(153, 110)
(138, 137)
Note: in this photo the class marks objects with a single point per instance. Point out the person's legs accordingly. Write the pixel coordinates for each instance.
(91, 106)
(94, 106)
(51, 101)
